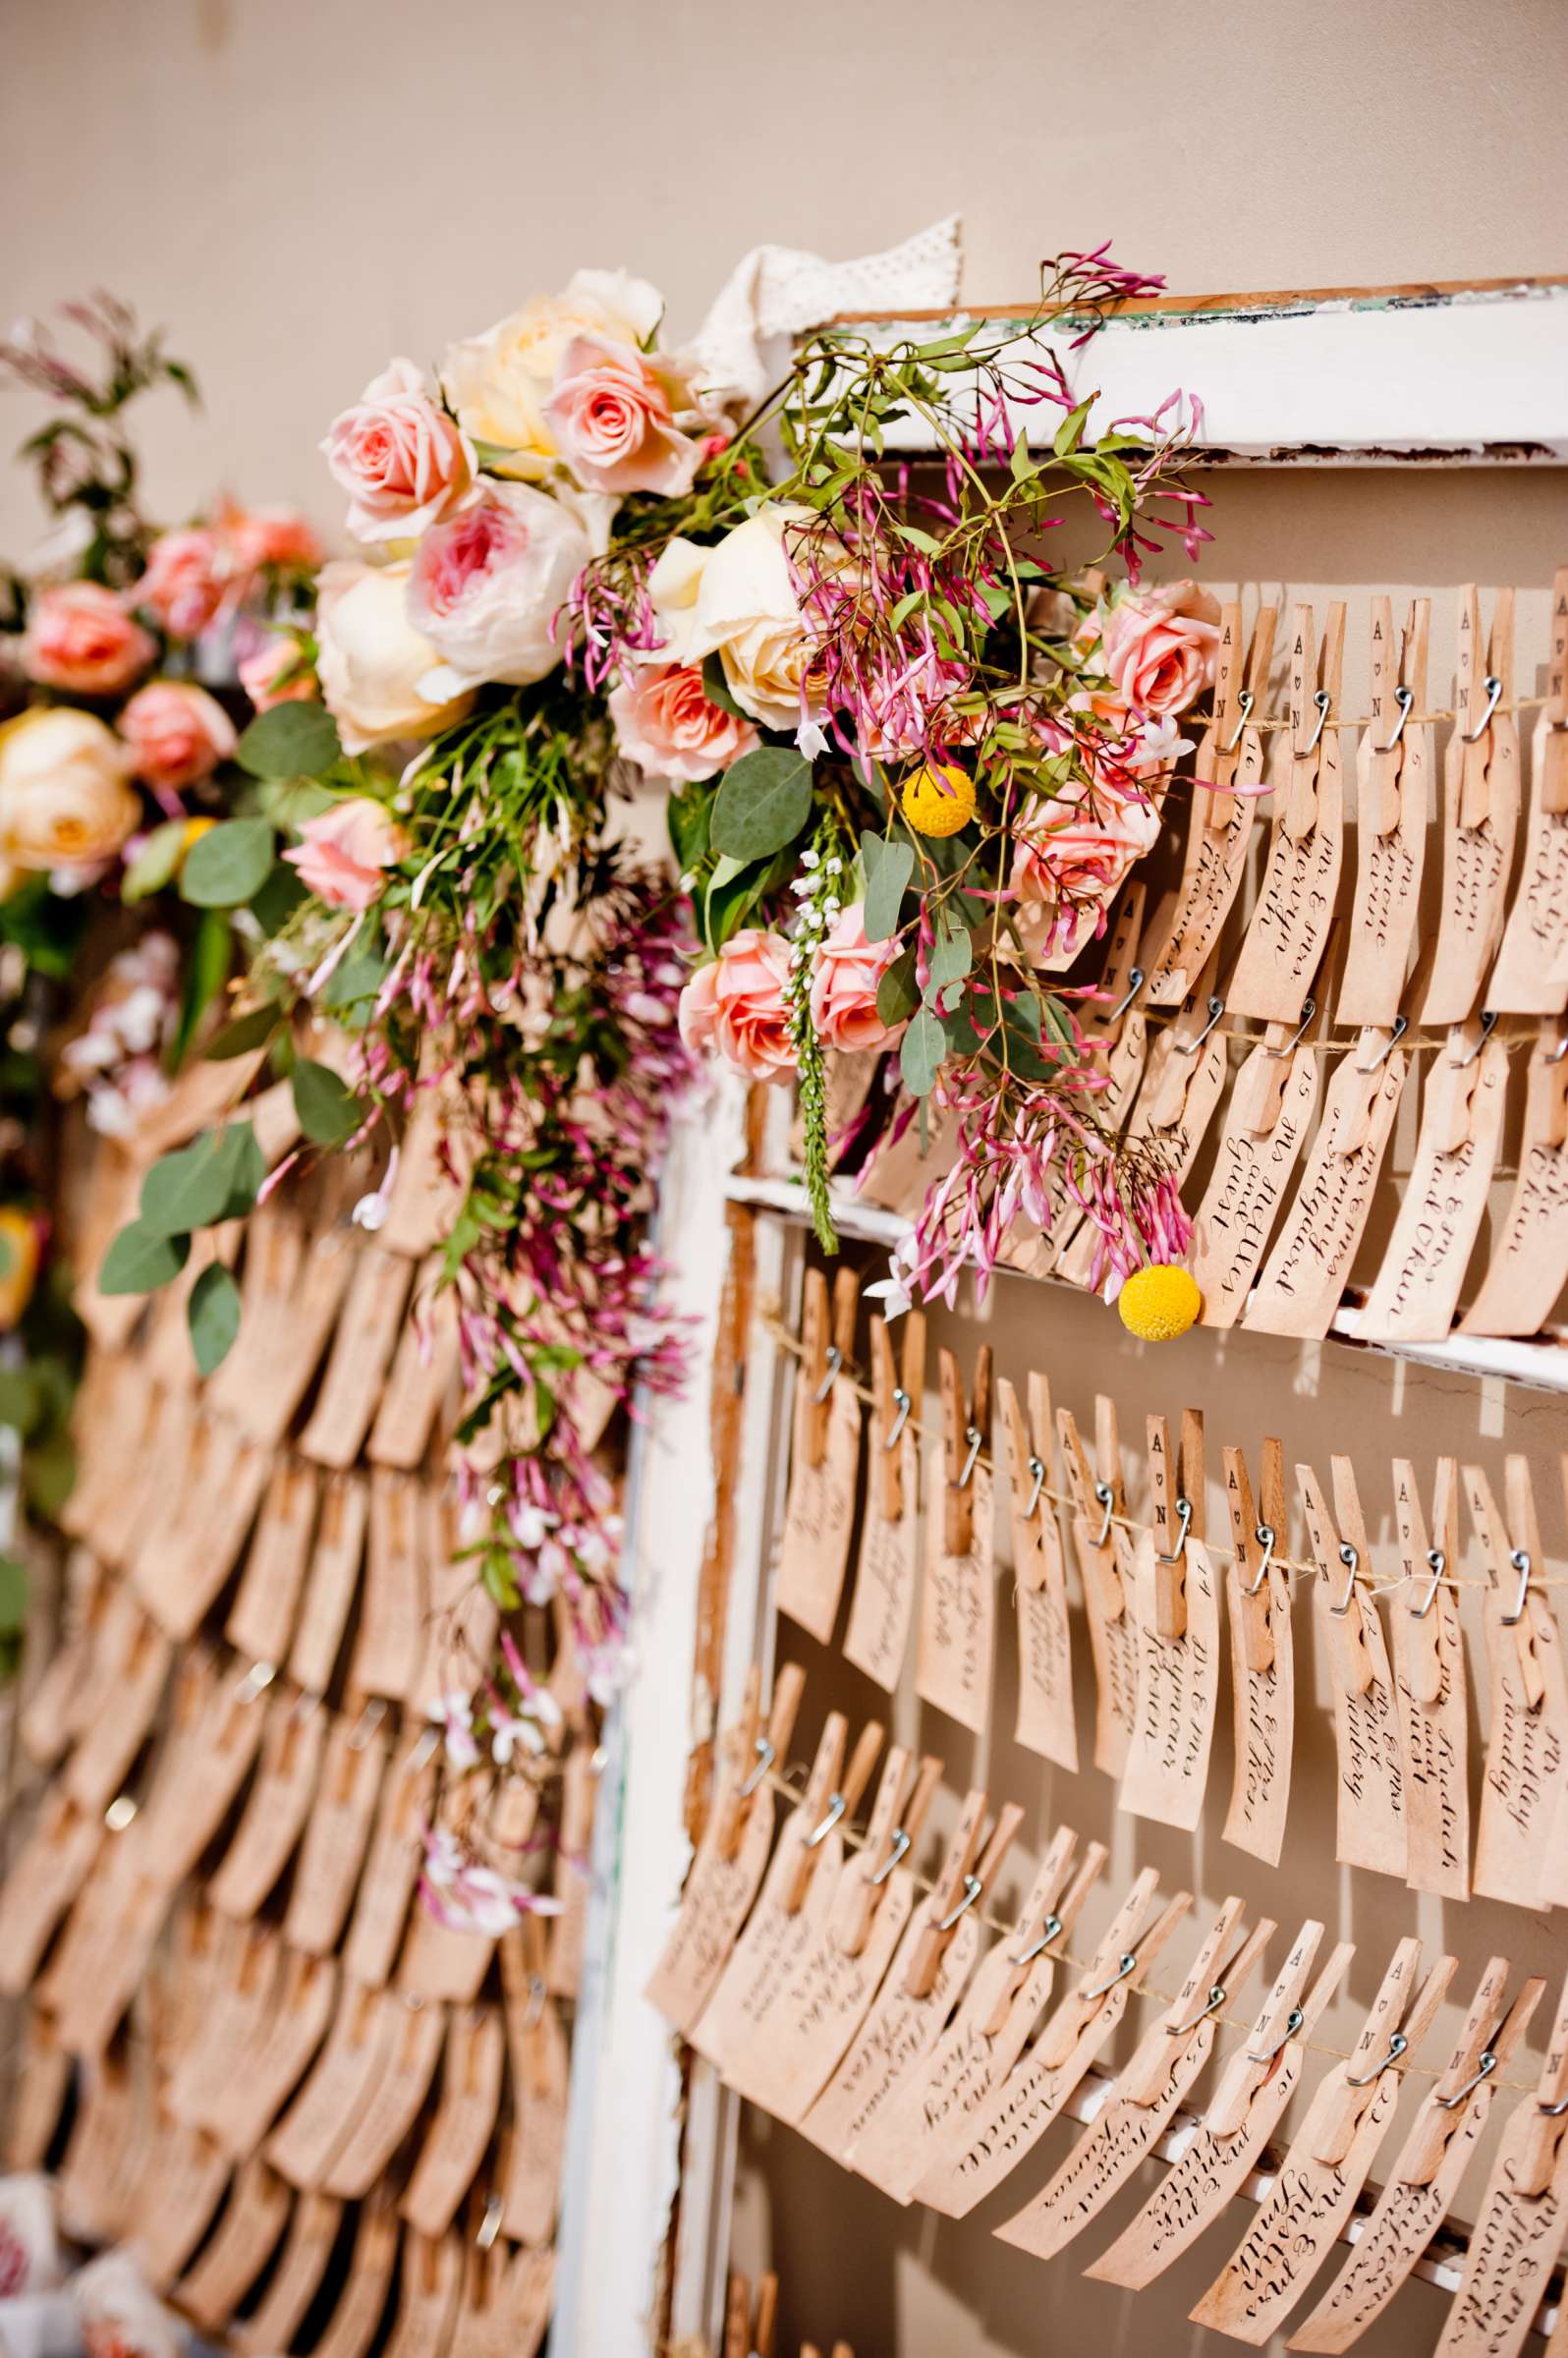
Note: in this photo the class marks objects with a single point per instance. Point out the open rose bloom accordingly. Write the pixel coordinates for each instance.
(189, 577)
(847, 970)
(627, 421)
(81, 639)
(400, 458)
(177, 734)
(486, 587)
(668, 725)
(343, 853)
(1158, 648)
(736, 1006)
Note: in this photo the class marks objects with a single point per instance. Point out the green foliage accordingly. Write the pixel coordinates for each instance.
(920, 1053)
(888, 868)
(329, 1111)
(138, 1260)
(155, 863)
(763, 803)
(295, 740)
(231, 862)
(214, 1317)
(207, 969)
(215, 1178)
(253, 1030)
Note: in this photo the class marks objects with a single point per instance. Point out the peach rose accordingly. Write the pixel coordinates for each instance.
(613, 413)
(1157, 646)
(177, 733)
(81, 638)
(735, 1005)
(262, 673)
(487, 586)
(344, 852)
(64, 800)
(188, 575)
(1075, 846)
(371, 660)
(499, 382)
(276, 536)
(844, 985)
(400, 458)
(665, 722)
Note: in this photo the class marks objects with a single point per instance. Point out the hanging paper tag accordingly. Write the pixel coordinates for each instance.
(1045, 1722)
(1444, 1198)
(1262, 1658)
(1308, 1269)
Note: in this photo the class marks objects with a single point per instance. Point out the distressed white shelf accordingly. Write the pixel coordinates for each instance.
(1445, 375)
(1542, 1366)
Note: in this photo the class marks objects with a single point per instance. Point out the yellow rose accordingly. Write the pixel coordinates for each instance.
(64, 797)
(373, 660)
(19, 1263)
(498, 383)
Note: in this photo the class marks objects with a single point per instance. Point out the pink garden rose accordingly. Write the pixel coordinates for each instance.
(188, 575)
(486, 587)
(1159, 647)
(401, 461)
(81, 638)
(262, 673)
(344, 852)
(665, 722)
(278, 536)
(177, 733)
(1077, 848)
(613, 412)
(735, 1005)
(844, 985)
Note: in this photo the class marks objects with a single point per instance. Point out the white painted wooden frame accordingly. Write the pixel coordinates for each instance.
(1442, 374)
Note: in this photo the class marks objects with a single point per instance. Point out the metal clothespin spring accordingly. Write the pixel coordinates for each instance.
(765, 1756)
(1184, 1516)
(1037, 1467)
(974, 1436)
(1294, 2021)
(1108, 1499)
(1352, 1563)
(1405, 699)
(1401, 1025)
(835, 1360)
(903, 1403)
(1493, 697)
(1554, 2111)
(1040, 1942)
(1321, 702)
(490, 2224)
(900, 1842)
(1134, 983)
(1263, 1533)
(255, 1681)
(1489, 1025)
(1396, 2048)
(972, 1888)
(1519, 1557)
(1215, 1008)
(1217, 1998)
(1436, 1564)
(1244, 705)
(837, 1807)
(1129, 1964)
(1277, 1055)
(1482, 2071)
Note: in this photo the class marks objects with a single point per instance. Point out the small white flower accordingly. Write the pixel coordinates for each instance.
(810, 858)
(811, 740)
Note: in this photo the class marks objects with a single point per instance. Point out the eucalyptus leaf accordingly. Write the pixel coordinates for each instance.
(716, 687)
(13, 1594)
(230, 861)
(207, 969)
(214, 1178)
(888, 868)
(138, 1260)
(295, 740)
(328, 1109)
(253, 1030)
(897, 994)
(922, 1053)
(212, 1315)
(951, 952)
(155, 863)
(763, 803)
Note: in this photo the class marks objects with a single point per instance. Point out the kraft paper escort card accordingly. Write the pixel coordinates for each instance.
(403, 2082)
(540, 2069)
(1105, 1564)
(1429, 1674)
(389, 1644)
(1395, 767)
(1368, 1737)
(1531, 976)
(282, 2047)
(246, 2237)
(189, 1551)
(48, 1871)
(1328, 2160)
(357, 2313)
(341, 2086)
(292, 1289)
(261, 1618)
(457, 2140)
(958, 1596)
(1444, 1198)
(424, 1374)
(331, 1581)
(392, 1863)
(294, 2281)
(1177, 1612)
(820, 1510)
(1249, 2101)
(1306, 1273)
(277, 1805)
(887, 1573)
(1528, 1265)
(1263, 1660)
(1523, 1814)
(1265, 1126)
(427, 2296)
(369, 1322)
(1288, 929)
(1481, 815)
(336, 1833)
(1045, 1722)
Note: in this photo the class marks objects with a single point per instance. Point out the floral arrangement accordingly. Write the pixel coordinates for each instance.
(903, 765)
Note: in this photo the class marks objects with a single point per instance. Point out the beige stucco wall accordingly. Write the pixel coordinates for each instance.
(300, 188)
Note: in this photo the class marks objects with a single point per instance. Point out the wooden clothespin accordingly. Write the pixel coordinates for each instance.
(835, 1802)
(1451, 1084)
(1233, 744)
(1121, 977)
(755, 1755)
(1538, 2160)
(1483, 2048)
(1258, 1091)
(1483, 686)
(1314, 685)
(1097, 1500)
(1225, 1957)
(1028, 1445)
(1177, 1495)
(1047, 1915)
(960, 1884)
(1258, 1534)
(1398, 689)
(1426, 1559)
(825, 1348)
(1165, 1095)
(1513, 1560)
(1341, 1567)
(896, 1397)
(1555, 774)
(1394, 2028)
(1130, 1938)
(964, 1434)
(904, 1796)
(1287, 2013)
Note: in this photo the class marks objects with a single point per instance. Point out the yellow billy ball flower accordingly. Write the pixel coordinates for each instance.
(1158, 1304)
(19, 1263)
(195, 829)
(939, 802)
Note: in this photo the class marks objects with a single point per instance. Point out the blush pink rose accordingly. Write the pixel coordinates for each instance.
(188, 575)
(1078, 848)
(667, 724)
(344, 852)
(80, 638)
(402, 461)
(736, 1006)
(486, 587)
(262, 673)
(276, 536)
(1158, 648)
(844, 985)
(613, 411)
(177, 733)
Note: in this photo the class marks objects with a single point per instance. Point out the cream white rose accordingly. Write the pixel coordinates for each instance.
(372, 658)
(738, 599)
(65, 798)
(499, 382)
(486, 587)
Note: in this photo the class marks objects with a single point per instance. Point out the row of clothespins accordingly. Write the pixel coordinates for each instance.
(830, 1984)
(1152, 1591)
